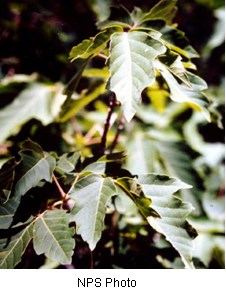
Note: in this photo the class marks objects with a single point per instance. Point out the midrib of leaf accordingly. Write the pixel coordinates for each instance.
(52, 235)
(128, 57)
(30, 171)
(97, 206)
(131, 67)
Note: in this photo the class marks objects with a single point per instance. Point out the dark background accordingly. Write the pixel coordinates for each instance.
(36, 36)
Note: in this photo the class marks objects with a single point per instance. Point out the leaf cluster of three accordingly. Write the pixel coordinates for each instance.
(89, 194)
(141, 47)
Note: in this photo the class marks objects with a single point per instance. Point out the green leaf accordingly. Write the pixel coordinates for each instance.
(205, 245)
(173, 213)
(11, 253)
(33, 168)
(164, 9)
(131, 67)
(119, 16)
(93, 45)
(175, 40)
(7, 211)
(182, 93)
(38, 101)
(91, 194)
(75, 105)
(101, 8)
(134, 190)
(54, 237)
(67, 162)
(150, 154)
(35, 165)
(102, 73)
(142, 154)
(173, 62)
(73, 84)
(211, 153)
(99, 167)
(7, 176)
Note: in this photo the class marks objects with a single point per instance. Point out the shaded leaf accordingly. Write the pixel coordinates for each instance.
(73, 84)
(67, 162)
(119, 16)
(175, 40)
(131, 67)
(164, 9)
(54, 237)
(33, 168)
(91, 194)
(38, 101)
(173, 213)
(11, 253)
(152, 154)
(134, 190)
(144, 157)
(75, 105)
(101, 8)
(99, 167)
(177, 160)
(7, 176)
(7, 211)
(173, 62)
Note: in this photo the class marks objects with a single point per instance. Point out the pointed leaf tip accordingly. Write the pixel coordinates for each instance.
(131, 67)
(91, 195)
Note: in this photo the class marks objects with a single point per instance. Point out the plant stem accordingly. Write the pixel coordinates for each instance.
(119, 130)
(102, 56)
(63, 195)
(112, 103)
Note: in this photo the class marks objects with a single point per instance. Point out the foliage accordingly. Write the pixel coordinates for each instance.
(116, 157)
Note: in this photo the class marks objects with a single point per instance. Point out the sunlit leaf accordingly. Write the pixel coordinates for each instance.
(91, 194)
(211, 153)
(93, 45)
(158, 98)
(131, 67)
(173, 213)
(96, 73)
(182, 93)
(13, 247)
(54, 237)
